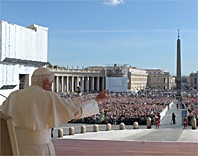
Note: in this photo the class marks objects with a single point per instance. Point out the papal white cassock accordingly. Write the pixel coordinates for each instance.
(36, 112)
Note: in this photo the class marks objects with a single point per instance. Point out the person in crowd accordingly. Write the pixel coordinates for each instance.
(159, 116)
(185, 122)
(36, 110)
(157, 122)
(173, 118)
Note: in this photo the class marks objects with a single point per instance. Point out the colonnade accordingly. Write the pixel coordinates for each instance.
(71, 83)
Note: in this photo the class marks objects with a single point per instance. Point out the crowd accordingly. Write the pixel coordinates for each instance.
(129, 107)
(192, 107)
(126, 107)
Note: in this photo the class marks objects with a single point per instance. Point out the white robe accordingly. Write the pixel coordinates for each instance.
(35, 111)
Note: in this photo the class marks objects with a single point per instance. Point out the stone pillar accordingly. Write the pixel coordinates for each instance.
(72, 84)
(148, 123)
(135, 125)
(67, 90)
(95, 128)
(57, 84)
(108, 127)
(53, 86)
(92, 84)
(82, 84)
(98, 83)
(71, 131)
(83, 129)
(62, 84)
(87, 84)
(60, 132)
(103, 84)
(194, 123)
(122, 126)
(65, 83)
(77, 81)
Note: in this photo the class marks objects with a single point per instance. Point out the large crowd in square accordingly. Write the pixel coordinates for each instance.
(128, 107)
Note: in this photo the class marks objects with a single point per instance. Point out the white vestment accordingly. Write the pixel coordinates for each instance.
(35, 111)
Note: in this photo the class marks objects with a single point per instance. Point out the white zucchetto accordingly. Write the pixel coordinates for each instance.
(41, 74)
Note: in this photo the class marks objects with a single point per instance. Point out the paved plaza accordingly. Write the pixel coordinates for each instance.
(169, 139)
(146, 135)
(167, 132)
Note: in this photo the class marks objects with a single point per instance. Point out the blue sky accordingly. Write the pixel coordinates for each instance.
(140, 33)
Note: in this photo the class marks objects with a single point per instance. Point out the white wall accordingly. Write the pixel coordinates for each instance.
(20, 43)
(116, 84)
(9, 75)
(23, 43)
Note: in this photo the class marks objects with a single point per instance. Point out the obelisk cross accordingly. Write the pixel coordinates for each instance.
(178, 77)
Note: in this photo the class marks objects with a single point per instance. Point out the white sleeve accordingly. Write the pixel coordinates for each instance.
(89, 108)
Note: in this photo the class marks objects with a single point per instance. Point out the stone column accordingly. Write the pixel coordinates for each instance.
(67, 83)
(57, 84)
(122, 126)
(83, 129)
(98, 84)
(135, 125)
(72, 84)
(108, 127)
(60, 132)
(103, 85)
(82, 84)
(95, 128)
(67, 90)
(92, 84)
(77, 81)
(194, 123)
(71, 130)
(87, 84)
(62, 84)
(52, 86)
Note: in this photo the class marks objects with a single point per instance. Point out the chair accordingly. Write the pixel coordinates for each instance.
(8, 139)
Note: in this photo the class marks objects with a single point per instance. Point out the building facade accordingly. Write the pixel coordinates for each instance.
(91, 79)
(194, 80)
(22, 50)
(116, 78)
(158, 79)
(137, 78)
(71, 80)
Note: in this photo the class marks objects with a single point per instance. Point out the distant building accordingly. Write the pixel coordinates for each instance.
(21, 51)
(137, 78)
(158, 79)
(116, 78)
(188, 81)
(172, 82)
(194, 80)
(91, 79)
(68, 80)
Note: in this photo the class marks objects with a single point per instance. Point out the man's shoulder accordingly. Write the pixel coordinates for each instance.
(15, 92)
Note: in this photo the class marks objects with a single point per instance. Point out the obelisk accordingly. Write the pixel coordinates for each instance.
(178, 77)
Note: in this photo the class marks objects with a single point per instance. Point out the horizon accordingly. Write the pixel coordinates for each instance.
(142, 34)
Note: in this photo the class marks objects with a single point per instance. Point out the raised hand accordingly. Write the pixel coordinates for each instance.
(103, 95)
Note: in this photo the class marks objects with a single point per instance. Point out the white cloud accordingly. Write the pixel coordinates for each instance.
(113, 2)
